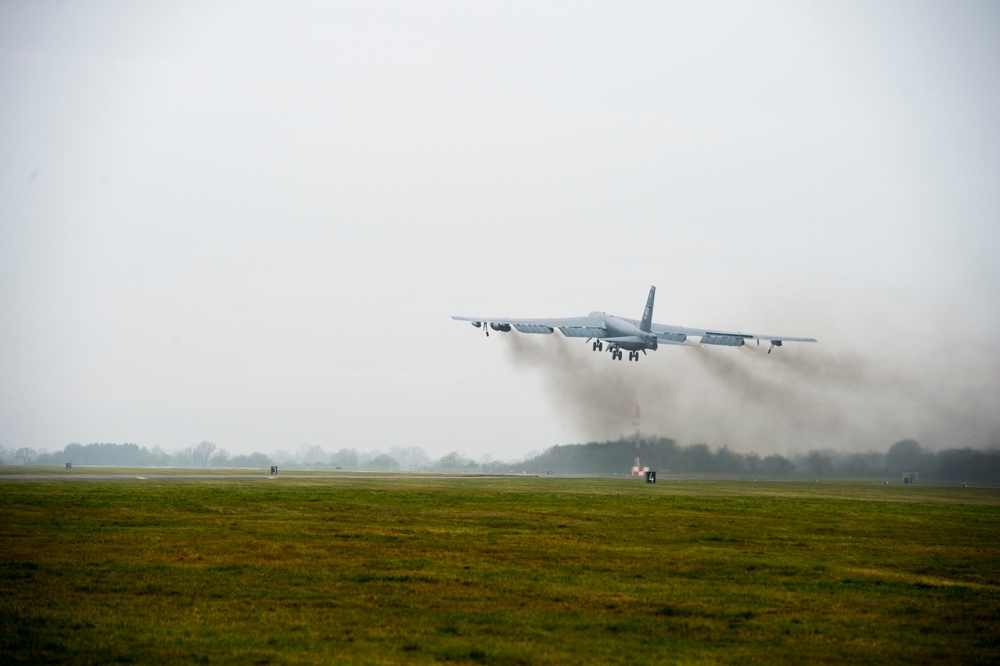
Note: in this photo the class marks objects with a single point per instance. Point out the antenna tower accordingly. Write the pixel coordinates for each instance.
(637, 468)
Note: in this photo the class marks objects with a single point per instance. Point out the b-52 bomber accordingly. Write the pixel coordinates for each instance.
(620, 333)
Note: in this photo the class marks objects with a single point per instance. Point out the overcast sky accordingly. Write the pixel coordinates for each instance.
(250, 222)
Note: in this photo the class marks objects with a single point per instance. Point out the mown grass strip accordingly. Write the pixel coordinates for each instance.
(497, 571)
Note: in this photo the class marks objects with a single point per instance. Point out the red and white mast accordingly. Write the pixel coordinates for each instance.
(637, 468)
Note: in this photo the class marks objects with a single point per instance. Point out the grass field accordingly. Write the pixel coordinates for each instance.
(497, 571)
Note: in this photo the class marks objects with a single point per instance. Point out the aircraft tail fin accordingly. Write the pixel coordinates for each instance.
(647, 314)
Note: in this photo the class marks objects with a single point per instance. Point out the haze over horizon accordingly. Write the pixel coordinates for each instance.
(250, 223)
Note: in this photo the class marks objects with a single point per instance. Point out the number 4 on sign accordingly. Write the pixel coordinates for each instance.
(650, 477)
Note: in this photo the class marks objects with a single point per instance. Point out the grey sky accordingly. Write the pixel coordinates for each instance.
(249, 223)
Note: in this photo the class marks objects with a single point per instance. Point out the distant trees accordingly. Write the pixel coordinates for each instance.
(819, 464)
(24, 456)
(219, 459)
(862, 464)
(254, 460)
(610, 457)
(396, 458)
(908, 456)
(383, 461)
(345, 458)
(157, 457)
(127, 455)
(614, 457)
(697, 459)
(455, 460)
(411, 457)
(201, 454)
(314, 455)
(965, 464)
(729, 462)
(133, 455)
(661, 454)
(904, 456)
(776, 465)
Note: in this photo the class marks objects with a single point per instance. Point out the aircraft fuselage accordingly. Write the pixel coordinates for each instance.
(625, 334)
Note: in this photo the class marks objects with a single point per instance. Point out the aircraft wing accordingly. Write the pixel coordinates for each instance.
(712, 336)
(622, 334)
(591, 326)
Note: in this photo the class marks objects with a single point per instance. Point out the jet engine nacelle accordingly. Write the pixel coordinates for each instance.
(503, 328)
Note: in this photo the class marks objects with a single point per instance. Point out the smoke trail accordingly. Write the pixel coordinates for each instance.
(598, 394)
(770, 401)
(795, 399)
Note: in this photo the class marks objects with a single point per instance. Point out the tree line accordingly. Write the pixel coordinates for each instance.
(610, 457)
(208, 455)
(204, 454)
(666, 455)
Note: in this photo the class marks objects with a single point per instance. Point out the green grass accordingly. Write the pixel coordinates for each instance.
(83, 471)
(498, 571)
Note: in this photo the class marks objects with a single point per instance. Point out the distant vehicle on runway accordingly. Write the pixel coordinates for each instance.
(618, 333)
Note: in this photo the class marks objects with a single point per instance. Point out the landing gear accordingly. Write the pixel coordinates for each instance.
(598, 345)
